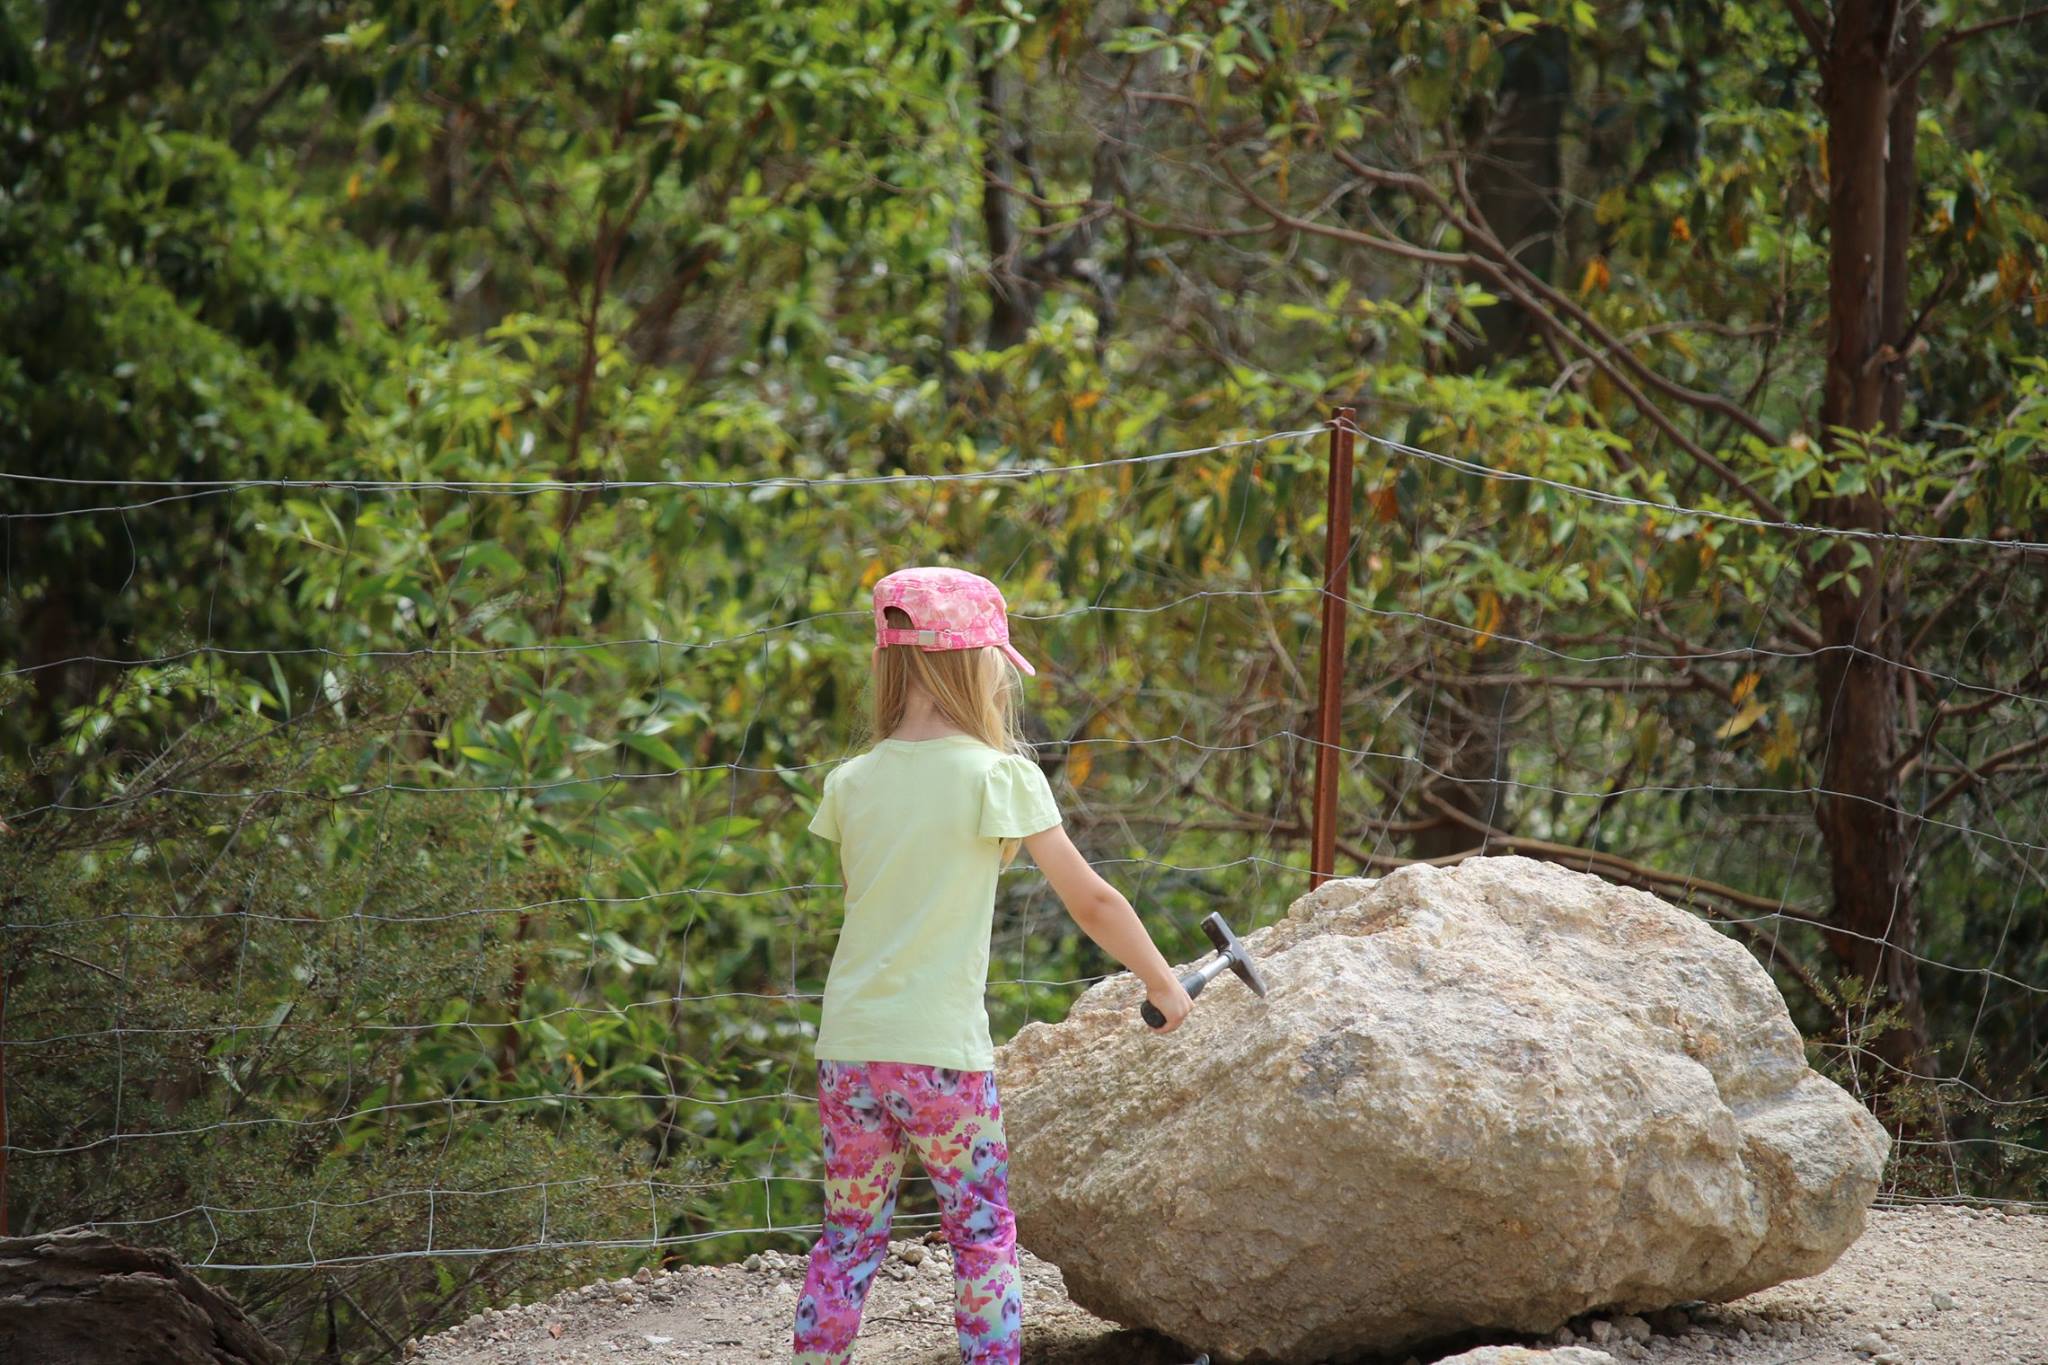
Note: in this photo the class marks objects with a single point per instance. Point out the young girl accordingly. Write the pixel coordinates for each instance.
(924, 820)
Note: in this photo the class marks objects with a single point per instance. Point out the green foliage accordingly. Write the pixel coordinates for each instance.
(299, 1005)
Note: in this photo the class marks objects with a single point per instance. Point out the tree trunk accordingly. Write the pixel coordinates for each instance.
(1515, 173)
(1861, 820)
(1013, 299)
(1514, 170)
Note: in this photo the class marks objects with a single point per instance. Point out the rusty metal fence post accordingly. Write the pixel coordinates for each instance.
(1330, 669)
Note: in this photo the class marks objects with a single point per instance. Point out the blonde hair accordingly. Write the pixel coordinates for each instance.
(976, 689)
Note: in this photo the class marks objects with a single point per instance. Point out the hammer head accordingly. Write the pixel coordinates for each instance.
(1233, 948)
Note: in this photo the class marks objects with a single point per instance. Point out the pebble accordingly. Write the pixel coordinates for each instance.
(1870, 1344)
(1600, 1329)
(913, 1254)
(1565, 1336)
(1942, 1301)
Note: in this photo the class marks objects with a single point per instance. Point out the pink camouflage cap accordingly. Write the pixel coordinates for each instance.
(949, 609)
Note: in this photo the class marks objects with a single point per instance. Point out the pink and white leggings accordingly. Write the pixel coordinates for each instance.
(873, 1114)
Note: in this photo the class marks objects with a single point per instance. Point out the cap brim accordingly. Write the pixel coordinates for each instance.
(1018, 659)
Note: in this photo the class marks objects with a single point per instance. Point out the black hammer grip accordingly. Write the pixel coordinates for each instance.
(1192, 983)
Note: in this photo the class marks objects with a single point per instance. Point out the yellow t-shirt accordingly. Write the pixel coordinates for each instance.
(920, 824)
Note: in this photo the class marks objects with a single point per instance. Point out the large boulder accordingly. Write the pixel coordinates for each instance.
(1486, 1097)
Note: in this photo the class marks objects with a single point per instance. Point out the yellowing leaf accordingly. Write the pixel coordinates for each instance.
(1086, 400)
(1059, 430)
(870, 574)
(1744, 686)
(1750, 714)
(733, 700)
(1597, 275)
(1080, 762)
(1487, 620)
(1681, 231)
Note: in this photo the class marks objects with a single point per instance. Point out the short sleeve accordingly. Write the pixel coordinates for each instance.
(825, 821)
(1016, 800)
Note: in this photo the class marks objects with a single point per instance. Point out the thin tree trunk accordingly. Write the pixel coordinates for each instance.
(1861, 820)
(1515, 177)
(1013, 300)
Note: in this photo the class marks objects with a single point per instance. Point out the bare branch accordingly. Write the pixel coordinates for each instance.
(1972, 776)
(1956, 35)
(1808, 25)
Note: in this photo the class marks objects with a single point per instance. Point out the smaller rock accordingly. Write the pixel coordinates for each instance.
(1942, 1301)
(1600, 1329)
(1633, 1327)
(1565, 1336)
(1870, 1344)
(752, 1262)
(913, 1254)
(643, 1276)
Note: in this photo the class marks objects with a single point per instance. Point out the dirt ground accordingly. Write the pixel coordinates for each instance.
(1923, 1286)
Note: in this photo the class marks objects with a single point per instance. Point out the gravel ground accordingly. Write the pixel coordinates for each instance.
(1923, 1286)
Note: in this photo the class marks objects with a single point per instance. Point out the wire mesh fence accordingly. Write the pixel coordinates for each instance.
(504, 942)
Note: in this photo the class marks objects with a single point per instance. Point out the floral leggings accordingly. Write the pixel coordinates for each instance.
(871, 1113)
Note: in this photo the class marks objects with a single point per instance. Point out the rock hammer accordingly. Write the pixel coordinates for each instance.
(1230, 952)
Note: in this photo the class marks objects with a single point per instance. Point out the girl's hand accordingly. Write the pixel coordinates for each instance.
(1171, 999)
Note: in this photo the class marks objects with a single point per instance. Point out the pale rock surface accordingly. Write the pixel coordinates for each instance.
(1523, 1355)
(1492, 1096)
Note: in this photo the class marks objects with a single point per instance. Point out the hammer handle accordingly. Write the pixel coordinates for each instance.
(1192, 983)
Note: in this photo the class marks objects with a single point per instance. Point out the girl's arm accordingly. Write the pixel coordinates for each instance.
(1107, 918)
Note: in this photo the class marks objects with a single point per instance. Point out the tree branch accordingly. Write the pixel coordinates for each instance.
(1972, 776)
(1808, 25)
(1500, 279)
(1956, 35)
